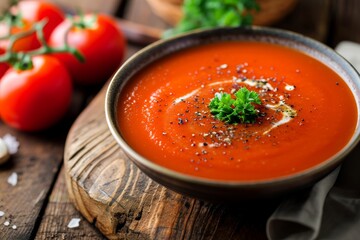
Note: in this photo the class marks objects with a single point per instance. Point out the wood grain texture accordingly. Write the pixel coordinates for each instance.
(310, 18)
(345, 21)
(37, 164)
(58, 214)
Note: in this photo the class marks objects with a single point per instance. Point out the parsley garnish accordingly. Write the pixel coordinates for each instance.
(214, 13)
(238, 110)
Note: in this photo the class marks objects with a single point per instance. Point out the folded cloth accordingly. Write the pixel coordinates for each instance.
(299, 217)
(331, 208)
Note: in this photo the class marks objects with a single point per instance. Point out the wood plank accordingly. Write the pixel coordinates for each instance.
(58, 214)
(37, 164)
(310, 18)
(345, 22)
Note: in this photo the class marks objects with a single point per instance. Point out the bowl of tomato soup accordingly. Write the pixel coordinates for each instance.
(183, 111)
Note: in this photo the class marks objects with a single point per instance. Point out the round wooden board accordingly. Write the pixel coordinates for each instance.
(123, 203)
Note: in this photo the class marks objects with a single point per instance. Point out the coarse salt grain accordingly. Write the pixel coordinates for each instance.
(11, 143)
(2, 213)
(223, 66)
(7, 223)
(289, 87)
(74, 223)
(13, 179)
(14, 227)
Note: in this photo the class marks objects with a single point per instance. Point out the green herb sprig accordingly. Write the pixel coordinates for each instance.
(238, 110)
(214, 13)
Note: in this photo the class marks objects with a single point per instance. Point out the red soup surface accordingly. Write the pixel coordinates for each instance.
(308, 113)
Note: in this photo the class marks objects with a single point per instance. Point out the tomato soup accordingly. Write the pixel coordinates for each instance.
(308, 112)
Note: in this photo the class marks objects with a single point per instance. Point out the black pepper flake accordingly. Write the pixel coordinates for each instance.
(205, 144)
(337, 83)
(180, 121)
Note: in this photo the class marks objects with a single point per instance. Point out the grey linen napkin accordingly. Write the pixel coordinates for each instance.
(331, 208)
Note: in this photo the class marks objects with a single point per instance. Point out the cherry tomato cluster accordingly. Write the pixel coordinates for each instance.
(37, 94)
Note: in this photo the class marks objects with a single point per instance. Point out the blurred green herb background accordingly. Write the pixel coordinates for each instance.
(200, 14)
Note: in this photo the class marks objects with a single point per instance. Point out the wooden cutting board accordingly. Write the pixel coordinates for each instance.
(123, 203)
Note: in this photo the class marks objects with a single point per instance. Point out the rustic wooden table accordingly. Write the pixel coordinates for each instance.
(39, 204)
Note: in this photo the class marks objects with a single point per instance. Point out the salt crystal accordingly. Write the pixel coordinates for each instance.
(223, 66)
(11, 143)
(289, 87)
(2, 213)
(12, 180)
(14, 227)
(7, 223)
(74, 223)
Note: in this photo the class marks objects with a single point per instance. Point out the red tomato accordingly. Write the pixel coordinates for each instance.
(31, 12)
(34, 11)
(3, 66)
(35, 99)
(101, 43)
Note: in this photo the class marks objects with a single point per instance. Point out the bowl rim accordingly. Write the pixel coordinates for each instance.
(113, 92)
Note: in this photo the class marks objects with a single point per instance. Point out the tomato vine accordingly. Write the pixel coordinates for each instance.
(22, 60)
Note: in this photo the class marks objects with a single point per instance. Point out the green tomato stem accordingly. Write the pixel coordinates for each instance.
(81, 22)
(22, 60)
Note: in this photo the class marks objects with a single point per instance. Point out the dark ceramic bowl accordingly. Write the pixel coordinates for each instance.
(225, 190)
